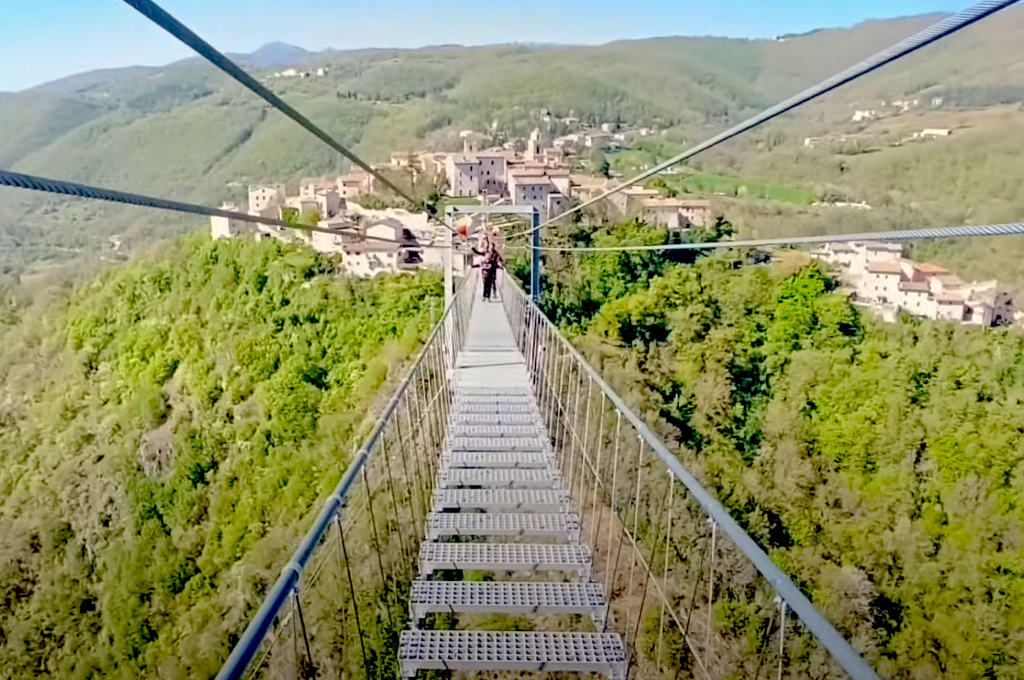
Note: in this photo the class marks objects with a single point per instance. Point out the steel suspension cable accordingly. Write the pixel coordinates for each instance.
(54, 186)
(1013, 229)
(944, 28)
(164, 20)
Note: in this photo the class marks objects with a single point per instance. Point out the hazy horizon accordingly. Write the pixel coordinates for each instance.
(241, 26)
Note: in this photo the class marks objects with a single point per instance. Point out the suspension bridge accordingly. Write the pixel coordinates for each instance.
(500, 506)
(509, 512)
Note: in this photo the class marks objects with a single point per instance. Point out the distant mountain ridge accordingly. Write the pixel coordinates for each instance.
(271, 55)
(185, 131)
(277, 54)
(81, 82)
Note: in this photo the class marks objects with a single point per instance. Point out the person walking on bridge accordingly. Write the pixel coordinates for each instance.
(490, 266)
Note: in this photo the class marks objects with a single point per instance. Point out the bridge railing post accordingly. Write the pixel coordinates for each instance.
(535, 259)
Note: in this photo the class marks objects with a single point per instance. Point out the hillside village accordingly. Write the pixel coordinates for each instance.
(877, 276)
(542, 172)
(531, 172)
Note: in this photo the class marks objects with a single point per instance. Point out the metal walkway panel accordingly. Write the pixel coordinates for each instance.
(490, 357)
(565, 526)
(497, 443)
(502, 500)
(496, 430)
(494, 391)
(505, 557)
(507, 356)
(491, 419)
(493, 407)
(460, 398)
(509, 651)
(480, 459)
(465, 597)
(499, 478)
(497, 459)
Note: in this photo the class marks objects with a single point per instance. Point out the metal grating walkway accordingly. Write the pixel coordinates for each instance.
(562, 526)
(432, 597)
(494, 407)
(497, 459)
(497, 444)
(501, 651)
(461, 419)
(499, 431)
(503, 500)
(502, 397)
(498, 481)
(504, 557)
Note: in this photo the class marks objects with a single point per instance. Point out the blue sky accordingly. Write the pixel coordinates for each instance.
(48, 39)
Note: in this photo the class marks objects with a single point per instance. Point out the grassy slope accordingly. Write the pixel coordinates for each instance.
(30, 122)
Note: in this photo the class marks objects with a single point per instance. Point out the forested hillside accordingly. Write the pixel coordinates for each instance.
(166, 432)
(185, 132)
(881, 465)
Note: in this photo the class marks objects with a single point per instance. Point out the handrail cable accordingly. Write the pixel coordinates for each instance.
(164, 20)
(55, 186)
(838, 647)
(944, 28)
(1012, 229)
(246, 647)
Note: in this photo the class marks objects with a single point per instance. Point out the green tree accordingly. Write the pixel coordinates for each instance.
(599, 162)
(189, 410)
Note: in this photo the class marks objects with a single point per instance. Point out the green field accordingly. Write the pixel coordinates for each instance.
(708, 183)
(446, 201)
(644, 155)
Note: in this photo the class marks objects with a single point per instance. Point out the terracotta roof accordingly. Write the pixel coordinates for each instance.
(950, 280)
(949, 299)
(885, 268)
(929, 268)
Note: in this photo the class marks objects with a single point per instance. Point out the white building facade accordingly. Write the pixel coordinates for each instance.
(230, 227)
(882, 278)
(266, 196)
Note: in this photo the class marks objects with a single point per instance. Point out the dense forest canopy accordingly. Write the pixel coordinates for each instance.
(881, 465)
(165, 433)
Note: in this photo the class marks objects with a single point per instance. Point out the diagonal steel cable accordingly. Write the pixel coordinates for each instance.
(1013, 229)
(55, 186)
(164, 20)
(944, 28)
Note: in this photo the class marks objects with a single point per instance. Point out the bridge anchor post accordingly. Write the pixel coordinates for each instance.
(535, 258)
